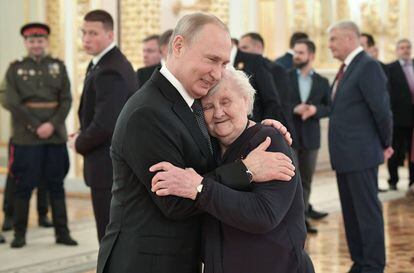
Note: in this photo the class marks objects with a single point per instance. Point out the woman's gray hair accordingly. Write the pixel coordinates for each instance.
(190, 25)
(239, 82)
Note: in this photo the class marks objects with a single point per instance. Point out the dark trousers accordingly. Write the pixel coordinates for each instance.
(307, 164)
(34, 163)
(363, 220)
(101, 202)
(8, 199)
(402, 141)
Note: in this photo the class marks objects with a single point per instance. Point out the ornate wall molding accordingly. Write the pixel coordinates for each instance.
(138, 19)
(55, 18)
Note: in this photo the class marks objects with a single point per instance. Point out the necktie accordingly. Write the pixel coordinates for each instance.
(90, 67)
(338, 78)
(198, 113)
(409, 75)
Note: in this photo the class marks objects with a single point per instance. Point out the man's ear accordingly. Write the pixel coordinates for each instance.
(178, 45)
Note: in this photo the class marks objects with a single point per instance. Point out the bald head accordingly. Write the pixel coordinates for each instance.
(344, 37)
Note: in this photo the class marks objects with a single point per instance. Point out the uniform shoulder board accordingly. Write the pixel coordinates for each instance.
(19, 60)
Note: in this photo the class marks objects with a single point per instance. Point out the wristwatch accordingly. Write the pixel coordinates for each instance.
(249, 175)
(199, 188)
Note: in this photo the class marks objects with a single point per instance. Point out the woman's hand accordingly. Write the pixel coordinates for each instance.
(171, 180)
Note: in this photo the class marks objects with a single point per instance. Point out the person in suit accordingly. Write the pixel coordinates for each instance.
(144, 73)
(109, 82)
(312, 101)
(401, 82)
(360, 129)
(368, 44)
(267, 103)
(253, 43)
(286, 61)
(148, 233)
(261, 230)
(38, 98)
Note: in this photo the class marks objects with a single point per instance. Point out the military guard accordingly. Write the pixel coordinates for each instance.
(38, 98)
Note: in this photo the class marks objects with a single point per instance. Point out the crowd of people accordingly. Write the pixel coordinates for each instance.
(207, 154)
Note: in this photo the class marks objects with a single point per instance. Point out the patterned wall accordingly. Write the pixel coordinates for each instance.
(55, 18)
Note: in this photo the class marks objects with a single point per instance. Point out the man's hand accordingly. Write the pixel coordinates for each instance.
(300, 108)
(45, 130)
(282, 129)
(72, 140)
(309, 112)
(171, 180)
(267, 166)
(388, 152)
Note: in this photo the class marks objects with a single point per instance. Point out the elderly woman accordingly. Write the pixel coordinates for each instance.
(262, 229)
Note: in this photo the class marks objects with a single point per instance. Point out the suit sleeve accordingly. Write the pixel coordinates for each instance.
(258, 211)
(323, 108)
(373, 86)
(111, 95)
(13, 102)
(266, 89)
(65, 100)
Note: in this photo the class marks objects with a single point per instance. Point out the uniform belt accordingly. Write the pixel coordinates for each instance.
(40, 105)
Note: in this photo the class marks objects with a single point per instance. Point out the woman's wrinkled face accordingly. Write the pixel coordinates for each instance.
(225, 113)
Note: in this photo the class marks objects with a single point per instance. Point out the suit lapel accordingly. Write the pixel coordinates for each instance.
(295, 86)
(183, 111)
(313, 89)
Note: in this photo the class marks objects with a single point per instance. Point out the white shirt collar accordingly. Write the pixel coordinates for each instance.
(176, 83)
(98, 57)
(233, 54)
(352, 55)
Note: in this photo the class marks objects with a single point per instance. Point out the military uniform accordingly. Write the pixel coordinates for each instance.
(38, 91)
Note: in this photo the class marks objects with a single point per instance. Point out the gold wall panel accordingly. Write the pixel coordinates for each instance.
(138, 19)
(55, 19)
(266, 21)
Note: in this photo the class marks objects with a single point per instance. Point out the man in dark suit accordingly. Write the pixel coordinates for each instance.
(144, 73)
(368, 44)
(109, 82)
(312, 101)
(267, 103)
(164, 122)
(360, 129)
(253, 43)
(286, 61)
(401, 81)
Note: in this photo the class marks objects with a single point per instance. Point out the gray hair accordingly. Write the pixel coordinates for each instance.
(347, 25)
(190, 25)
(404, 40)
(240, 82)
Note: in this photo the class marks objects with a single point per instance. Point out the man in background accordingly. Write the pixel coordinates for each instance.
(286, 61)
(312, 101)
(401, 82)
(110, 80)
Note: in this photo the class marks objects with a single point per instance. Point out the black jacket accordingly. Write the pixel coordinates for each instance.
(144, 74)
(400, 96)
(267, 102)
(309, 131)
(106, 89)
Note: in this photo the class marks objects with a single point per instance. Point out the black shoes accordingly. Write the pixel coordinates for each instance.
(44, 221)
(309, 228)
(66, 240)
(18, 242)
(7, 223)
(2, 240)
(393, 187)
(315, 215)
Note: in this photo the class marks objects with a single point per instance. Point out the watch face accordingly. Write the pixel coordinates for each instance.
(249, 175)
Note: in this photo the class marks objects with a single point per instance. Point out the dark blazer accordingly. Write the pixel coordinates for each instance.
(260, 231)
(400, 96)
(284, 89)
(309, 131)
(106, 89)
(267, 101)
(360, 125)
(148, 233)
(286, 61)
(144, 74)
